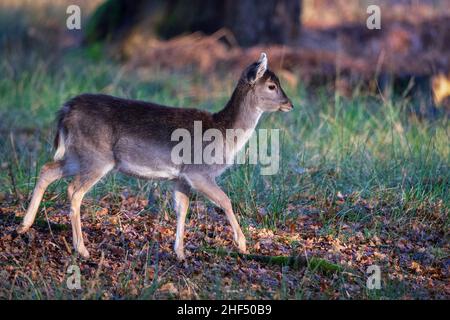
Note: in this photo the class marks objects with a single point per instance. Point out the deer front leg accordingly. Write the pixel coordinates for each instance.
(209, 188)
(181, 202)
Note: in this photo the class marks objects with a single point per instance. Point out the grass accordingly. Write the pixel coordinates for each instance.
(355, 160)
(361, 146)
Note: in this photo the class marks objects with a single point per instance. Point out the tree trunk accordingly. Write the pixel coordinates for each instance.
(251, 21)
(263, 22)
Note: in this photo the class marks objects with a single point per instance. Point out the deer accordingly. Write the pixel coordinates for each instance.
(98, 133)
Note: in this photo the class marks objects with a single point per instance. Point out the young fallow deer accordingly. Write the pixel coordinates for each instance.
(98, 133)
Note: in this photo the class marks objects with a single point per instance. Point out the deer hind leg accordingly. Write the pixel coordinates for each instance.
(71, 187)
(50, 172)
(181, 202)
(209, 188)
(76, 191)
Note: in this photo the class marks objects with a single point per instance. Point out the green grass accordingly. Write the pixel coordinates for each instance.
(362, 146)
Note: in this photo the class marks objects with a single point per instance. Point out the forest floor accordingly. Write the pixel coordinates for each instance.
(132, 256)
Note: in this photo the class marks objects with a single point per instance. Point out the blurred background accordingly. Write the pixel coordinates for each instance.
(312, 41)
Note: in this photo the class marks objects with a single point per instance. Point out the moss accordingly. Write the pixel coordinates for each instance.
(295, 262)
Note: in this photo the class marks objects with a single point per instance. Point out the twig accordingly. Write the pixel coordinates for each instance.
(42, 223)
(13, 147)
(67, 245)
(13, 180)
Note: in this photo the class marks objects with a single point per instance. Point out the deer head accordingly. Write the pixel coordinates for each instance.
(265, 87)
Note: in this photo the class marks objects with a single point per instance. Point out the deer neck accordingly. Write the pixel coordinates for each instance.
(241, 114)
(241, 111)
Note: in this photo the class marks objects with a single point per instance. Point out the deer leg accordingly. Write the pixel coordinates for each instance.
(71, 187)
(50, 172)
(77, 189)
(181, 201)
(209, 188)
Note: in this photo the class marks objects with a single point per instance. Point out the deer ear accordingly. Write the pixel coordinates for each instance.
(257, 69)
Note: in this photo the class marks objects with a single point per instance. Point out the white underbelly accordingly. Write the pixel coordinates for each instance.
(149, 172)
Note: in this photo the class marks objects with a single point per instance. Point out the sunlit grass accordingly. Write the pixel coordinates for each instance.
(360, 146)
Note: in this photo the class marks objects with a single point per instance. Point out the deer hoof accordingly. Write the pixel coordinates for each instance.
(180, 256)
(241, 243)
(22, 229)
(83, 252)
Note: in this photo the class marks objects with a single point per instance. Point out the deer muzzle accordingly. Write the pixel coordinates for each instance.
(286, 107)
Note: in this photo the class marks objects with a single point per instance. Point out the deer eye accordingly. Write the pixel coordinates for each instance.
(272, 87)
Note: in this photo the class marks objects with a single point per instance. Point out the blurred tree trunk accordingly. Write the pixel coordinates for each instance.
(112, 19)
(251, 21)
(254, 22)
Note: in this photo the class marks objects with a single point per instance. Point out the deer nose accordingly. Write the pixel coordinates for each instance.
(287, 106)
